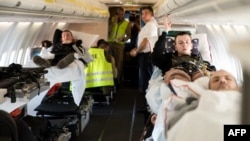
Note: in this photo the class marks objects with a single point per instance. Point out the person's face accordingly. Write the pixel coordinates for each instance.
(120, 15)
(146, 15)
(105, 47)
(222, 80)
(183, 45)
(67, 37)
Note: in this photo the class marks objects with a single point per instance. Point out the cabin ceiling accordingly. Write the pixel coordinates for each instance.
(225, 12)
(189, 12)
(128, 2)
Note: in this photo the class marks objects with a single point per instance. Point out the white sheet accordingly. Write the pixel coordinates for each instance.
(164, 98)
(157, 91)
(9, 107)
(74, 73)
(215, 109)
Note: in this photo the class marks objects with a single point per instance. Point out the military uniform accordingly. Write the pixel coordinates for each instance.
(165, 58)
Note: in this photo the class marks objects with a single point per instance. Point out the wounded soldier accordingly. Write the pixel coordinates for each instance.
(64, 51)
(175, 59)
(221, 90)
(183, 57)
(214, 108)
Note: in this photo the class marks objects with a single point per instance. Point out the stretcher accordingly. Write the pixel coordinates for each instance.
(59, 108)
(100, 84)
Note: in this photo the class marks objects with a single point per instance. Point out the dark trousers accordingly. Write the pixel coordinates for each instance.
(145, 70)
(118, 55)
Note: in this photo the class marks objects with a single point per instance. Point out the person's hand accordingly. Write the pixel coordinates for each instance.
(133, 52)
(197, 75)
(167, 23)
(176, 74)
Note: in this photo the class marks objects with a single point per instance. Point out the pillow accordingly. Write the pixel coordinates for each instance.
(200, 43)
(87, 39)
(203, 46)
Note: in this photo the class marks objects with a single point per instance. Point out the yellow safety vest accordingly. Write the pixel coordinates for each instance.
(99, 72)
(118, 31)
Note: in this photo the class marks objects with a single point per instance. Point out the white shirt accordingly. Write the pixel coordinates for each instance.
(149, 31)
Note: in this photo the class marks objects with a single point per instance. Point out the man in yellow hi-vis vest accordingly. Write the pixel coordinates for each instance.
(119, 33)
(99, 72)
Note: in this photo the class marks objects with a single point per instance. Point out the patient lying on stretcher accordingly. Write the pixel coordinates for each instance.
(219, 81)
(182, 54)
(64, 51)
(215, 107)
(223, 94)
(177, 59)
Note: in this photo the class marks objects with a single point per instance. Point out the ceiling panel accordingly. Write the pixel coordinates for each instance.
(128, 2)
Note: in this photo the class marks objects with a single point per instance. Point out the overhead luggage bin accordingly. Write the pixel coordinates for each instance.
(169, 5)
(31, 5)
(23, 4)
(172, 5)
(10, 3)
(51, 6)
(80, 10)
(53, 10)
(68, 6)
(204, 12)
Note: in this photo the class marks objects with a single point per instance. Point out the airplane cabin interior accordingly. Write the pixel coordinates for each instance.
(103, 100)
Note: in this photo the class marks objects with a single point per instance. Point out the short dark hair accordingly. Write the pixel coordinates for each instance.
(120, 9)
(149, 8)
(46, 43)
(68, 32)
(181, 33)
(100, 41)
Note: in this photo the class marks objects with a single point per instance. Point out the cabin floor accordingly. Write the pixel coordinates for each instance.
(121, 120)
(118, 121)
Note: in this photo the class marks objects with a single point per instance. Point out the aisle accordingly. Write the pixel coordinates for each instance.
(117, 122)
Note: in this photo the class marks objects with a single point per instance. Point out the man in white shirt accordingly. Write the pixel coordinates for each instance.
(146, 41)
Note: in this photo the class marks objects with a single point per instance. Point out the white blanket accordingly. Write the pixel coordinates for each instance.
(214, 110)
(157, 90)
(206, 122)
(163, 98)
(74, 73)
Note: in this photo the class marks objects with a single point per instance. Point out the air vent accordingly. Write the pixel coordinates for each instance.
(44, 7)
(18, 4)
